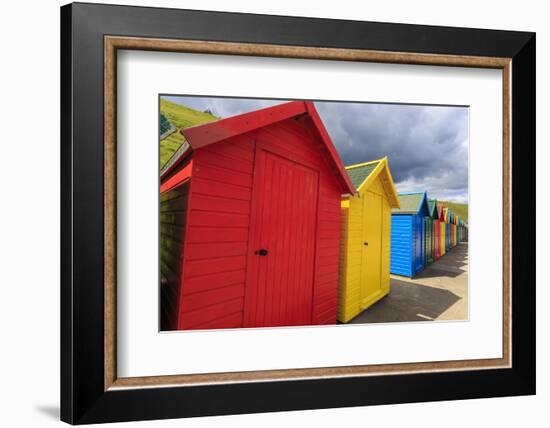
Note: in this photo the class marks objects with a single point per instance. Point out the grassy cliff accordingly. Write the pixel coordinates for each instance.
(181, 117)
(460, 209)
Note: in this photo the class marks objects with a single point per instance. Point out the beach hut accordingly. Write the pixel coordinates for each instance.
(429, 235)
(250, 222)
(447, 229)
(455, 241)
(451, 222)
(454, 230)
(434, 214)
(442, 230)
(407, 234)
(452, 235)
(365, 238)
(461, 231)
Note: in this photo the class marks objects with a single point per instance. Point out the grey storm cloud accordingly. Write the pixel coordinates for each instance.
(426, 146)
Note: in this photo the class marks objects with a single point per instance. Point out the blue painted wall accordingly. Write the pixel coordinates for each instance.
(407, 244)
(419, 237)
(401, 245)
(448, 237)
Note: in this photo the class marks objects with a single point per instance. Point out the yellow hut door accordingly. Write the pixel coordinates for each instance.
(372, 248)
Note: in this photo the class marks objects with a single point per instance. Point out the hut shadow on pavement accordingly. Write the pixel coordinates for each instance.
(449, 270)
(408, 302)
(451, 265)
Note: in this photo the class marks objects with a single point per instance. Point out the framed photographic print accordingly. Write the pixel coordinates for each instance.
(265, 213)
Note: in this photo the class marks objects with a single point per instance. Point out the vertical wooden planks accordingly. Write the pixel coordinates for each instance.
(365, 269)
(280, 283)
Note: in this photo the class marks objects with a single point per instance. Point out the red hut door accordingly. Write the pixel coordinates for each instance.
(280, 271)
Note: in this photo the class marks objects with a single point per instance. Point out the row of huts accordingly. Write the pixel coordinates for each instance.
(426, 226)
(384, 232)
(261, 225)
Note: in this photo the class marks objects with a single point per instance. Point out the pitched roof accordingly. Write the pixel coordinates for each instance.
(434, 211)
(441, 209)
(412, 203)
(210, 133)
(359, 173)
(445, 214)
(363, 174)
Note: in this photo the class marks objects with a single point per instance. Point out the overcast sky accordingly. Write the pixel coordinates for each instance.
(427, 146)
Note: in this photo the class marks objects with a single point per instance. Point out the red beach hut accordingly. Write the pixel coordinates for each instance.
(434, 213)
(250, 222)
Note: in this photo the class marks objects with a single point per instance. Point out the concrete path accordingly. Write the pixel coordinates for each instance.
(440, 292)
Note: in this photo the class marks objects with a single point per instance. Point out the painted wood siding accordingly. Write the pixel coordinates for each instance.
(325, 294)
(217, 252)
(418, 237)
(297, 139)
(364, 276)
(279, 285)
(386, 247)
(431, 258)
(428, 242)
(442, 247)
(454, 235)
(343, 274)
(173, 216)
(350, 258)
(401, 245)
(437, 239)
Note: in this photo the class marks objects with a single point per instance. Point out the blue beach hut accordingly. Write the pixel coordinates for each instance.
(407, 234)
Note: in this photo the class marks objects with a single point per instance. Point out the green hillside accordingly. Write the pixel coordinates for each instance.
(181, 117)
(459, 209)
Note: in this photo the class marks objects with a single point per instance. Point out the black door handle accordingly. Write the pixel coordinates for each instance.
(365, 243)
(261, 252)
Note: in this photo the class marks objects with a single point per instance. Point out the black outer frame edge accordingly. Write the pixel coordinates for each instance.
(82, 397)
(524, 219)
(66, 306)
(166, 403)
(133, 21)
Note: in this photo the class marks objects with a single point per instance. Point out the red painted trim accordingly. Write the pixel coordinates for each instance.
(178, 178)
(315, 273)
(166, 174)
(213, 132)
(209, 133)
(251, 260)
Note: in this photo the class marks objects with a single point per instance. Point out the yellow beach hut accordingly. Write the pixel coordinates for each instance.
(365, 238)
